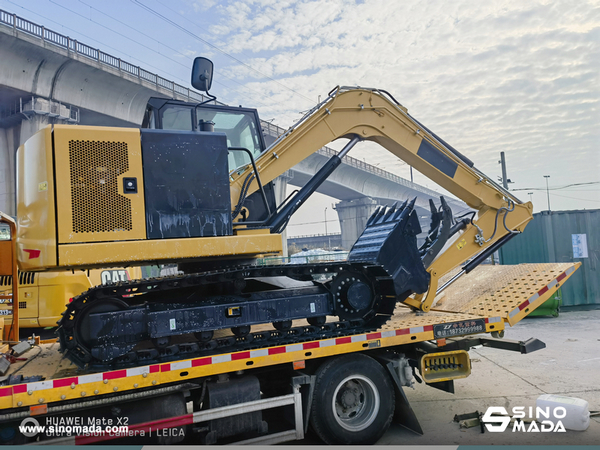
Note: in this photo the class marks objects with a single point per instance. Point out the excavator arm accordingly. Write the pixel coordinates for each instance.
(373, 115)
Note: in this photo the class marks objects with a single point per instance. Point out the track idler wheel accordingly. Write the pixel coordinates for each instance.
(353, 296)
(82, 334)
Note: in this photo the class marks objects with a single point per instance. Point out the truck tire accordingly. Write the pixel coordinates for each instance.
(353, 401)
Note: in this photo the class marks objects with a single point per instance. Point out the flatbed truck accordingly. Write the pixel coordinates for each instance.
(271, 345)
(347, 387)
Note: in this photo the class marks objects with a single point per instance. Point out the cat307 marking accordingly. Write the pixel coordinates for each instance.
(459, 328)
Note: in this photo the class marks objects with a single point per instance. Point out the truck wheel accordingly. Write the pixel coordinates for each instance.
(353, 401)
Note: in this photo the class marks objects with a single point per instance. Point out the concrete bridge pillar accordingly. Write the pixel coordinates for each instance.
(32, 125)
(280, 186)
(9, 141)
(353, 216)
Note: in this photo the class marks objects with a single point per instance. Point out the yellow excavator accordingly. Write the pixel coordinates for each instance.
(194, 186)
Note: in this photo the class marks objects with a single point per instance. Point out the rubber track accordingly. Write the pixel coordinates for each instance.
(82, 357)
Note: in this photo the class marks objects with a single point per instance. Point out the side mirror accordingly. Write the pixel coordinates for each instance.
(202, 72)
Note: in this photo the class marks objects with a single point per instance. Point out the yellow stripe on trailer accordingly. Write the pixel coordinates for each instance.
(91, 385)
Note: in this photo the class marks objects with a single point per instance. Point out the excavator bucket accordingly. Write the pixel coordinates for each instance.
(390, 240)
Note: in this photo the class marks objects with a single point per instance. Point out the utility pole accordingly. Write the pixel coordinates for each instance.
(325, 212)
(547, 191)
(505, 180)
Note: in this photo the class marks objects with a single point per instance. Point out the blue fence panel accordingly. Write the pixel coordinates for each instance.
(548, 238)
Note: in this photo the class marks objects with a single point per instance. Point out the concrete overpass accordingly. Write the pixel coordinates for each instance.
(46, 77)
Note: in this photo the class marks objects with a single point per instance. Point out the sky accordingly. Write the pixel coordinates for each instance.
(487, 76)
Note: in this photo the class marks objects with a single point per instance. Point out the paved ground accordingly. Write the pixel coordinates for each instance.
(569, 365)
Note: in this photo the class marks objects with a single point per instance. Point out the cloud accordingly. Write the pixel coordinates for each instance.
(512, 76)
(187, 53)
(202, 6)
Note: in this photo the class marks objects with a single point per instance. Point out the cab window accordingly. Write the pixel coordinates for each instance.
(240, 128)
(177, 118)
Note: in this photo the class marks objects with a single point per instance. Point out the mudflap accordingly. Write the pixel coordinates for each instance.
(390, 241)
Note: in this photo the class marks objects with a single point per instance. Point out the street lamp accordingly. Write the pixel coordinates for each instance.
(530, 196)
(547, 191)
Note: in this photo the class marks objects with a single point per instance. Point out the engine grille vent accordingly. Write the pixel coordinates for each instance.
(95, 168)
(24, 278)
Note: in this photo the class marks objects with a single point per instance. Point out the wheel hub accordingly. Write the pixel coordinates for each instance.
(349, 399)
(356, 403)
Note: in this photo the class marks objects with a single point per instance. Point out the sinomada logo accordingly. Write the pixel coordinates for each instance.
(544, 420)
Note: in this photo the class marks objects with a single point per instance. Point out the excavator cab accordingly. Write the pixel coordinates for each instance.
(241, 126)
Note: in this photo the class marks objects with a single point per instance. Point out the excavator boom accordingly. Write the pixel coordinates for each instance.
(374, 115)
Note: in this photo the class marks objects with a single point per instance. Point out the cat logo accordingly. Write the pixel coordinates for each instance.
(114, 276)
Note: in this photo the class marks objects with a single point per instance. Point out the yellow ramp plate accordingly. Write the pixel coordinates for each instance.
(511, 292)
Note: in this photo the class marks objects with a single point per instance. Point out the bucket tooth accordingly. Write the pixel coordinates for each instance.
(389, 213)
(382, 217)
(370, 219)
(399, 211)
(393, 208)
(434, 227)
(436, 218)
(374, 216)
(407, 211)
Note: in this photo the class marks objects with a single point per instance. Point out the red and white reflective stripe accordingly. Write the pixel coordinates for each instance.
(493, 319)
(286, 349)
(76, 381)
(209, 360)
(536, 297)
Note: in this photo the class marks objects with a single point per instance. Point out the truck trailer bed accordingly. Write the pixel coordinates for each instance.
(480, 302)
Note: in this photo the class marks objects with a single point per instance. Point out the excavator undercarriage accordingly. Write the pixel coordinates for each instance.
(151, 320)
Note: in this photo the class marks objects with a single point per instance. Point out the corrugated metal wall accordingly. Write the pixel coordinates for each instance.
(548, 239)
